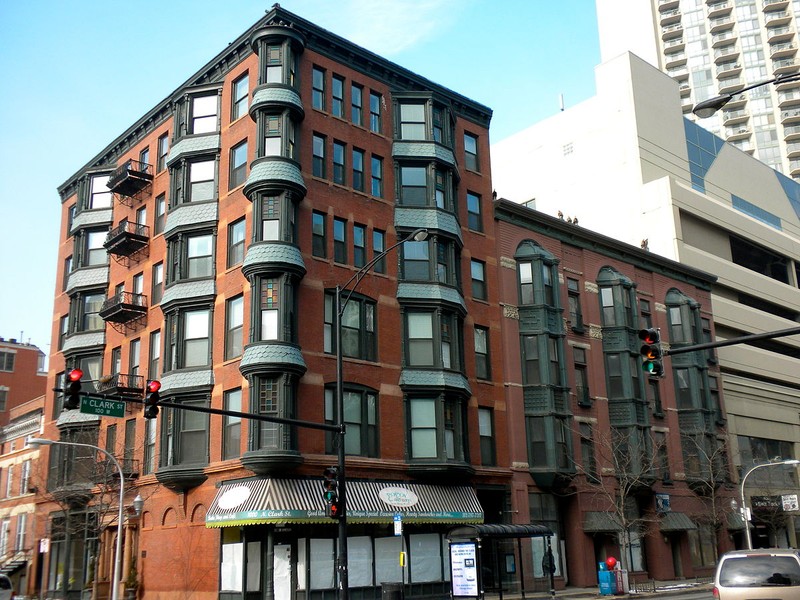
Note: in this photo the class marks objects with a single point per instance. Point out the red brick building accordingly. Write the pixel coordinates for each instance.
(598, 446)
(203, 248)
(22, 375)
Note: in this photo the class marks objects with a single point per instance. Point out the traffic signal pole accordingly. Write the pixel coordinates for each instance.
(733, 341)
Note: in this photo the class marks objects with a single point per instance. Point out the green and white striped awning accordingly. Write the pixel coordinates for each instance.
(269, 500)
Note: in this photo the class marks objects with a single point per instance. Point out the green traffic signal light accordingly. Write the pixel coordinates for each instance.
(651, 352)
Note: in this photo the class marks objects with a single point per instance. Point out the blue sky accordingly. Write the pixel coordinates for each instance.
(77, 74)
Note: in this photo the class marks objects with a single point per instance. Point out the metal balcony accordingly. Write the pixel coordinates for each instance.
(721, 24)
(734, 117)
(788, 99)
(728, 70)
(791, 133)
(793, 150)
(670, 17)
(727, 86)
(733, 133)
(673, 46)
(780, 34)
(777, 51)
(719, 9)
(723, 39)
(127, 238)
(671, 32)
(665, 5)
(726, 54)
(124, 307)
(770, 5)
(122, 384)
(790, 117)
(794, 168)
(777, 19)
(671, 61)
(130, 178)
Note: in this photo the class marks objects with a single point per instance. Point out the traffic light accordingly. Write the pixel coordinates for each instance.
(334, 510)
(651, 352)
(330, 485)
(72, 390)
(152, 400)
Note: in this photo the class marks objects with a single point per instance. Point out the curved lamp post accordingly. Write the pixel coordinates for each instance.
(36, 442)
(745, 510)
(417, 235)
(707, 108)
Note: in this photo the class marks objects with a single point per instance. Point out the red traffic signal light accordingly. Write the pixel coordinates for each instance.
(334, 510)
(72, 391)
(152, 400)
(651, 352)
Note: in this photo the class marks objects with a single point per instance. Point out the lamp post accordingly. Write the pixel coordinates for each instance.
(36, 442)
(706, 108)
(745, 510)
(417, 235)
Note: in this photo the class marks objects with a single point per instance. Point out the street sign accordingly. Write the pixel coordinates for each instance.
(398, 525)
(104, 408)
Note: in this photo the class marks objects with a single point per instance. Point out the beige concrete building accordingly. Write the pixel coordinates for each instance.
(627, 163)
(713, 47)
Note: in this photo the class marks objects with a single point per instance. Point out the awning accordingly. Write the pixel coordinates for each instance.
(600, 522)
(268, 500)
(735, 521)
(676, 521)
(499, 530)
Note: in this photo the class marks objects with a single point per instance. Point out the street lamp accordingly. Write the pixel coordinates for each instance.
(36, 442)
(744, 509)
(417, 235)
(706, 108)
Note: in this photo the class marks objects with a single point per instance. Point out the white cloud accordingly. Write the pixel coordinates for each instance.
(386, 27)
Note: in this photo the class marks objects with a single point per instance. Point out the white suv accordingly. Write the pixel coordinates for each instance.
(770, 573)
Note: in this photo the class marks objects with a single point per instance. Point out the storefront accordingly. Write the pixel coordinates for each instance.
(278, 543)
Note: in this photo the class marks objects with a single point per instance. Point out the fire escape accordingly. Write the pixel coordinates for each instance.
(132, 181)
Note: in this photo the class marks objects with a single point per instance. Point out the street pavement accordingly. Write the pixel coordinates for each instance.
(685, 590)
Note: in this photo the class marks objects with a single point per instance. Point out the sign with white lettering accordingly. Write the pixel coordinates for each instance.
(104, 408)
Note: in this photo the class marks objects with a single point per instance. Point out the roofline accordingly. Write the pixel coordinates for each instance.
(319, 39)
(529, 218)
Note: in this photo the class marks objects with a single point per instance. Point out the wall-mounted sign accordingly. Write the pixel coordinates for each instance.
(790, 502)
(398, 496)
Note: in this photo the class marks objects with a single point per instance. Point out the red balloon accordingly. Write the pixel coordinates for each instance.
(611, 562)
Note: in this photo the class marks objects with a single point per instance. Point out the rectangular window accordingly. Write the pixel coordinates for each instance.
(318, 158)
(270, 306)
(356, 104)
(471, 152)
(153, 372)
(92, 303)
(474, 216)
(274, 64)
(574, 300)
(478, 272)
(654, 397)
(204, 114)
(25, 477)
(412, 121)
(9, 480)
(340, 240)
(530, 360)
(232, 426)
(413, 186)
(239, 100)
(134, 356)
(163, 151)
(337, 96)
(358, 328)
(358, 170)
(273, 142)
(22, 525)
(375, 101)
(149, 462)
(482, 370)
(377, 176)
(338, 162)
(359, 245)
(201, 180)
(99, 195)
(196, 338)
(423, 428)
(238, 165)
(645, 315)
(161, 214)
(144, 160)
(234, 329)
(95, 251)
(525, 283)
(200, 254)
(581, 376)
(378, 247)
(318, 88)
(7, 360)
(607, 306)
(360, 417)
(420, 339)
(129, 446)
(157, 288)
(318, 242)
(588, 459)
(486, 433)
(416, 261)
(236, 234)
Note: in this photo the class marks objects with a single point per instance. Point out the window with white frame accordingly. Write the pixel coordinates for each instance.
(204, 114)
(99, 194)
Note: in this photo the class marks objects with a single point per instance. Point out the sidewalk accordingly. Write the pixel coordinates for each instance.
(645, 589)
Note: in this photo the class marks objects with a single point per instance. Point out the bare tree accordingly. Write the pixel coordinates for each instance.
(630, 460)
